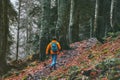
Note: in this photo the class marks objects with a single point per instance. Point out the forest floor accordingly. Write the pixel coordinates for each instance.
(87, 60)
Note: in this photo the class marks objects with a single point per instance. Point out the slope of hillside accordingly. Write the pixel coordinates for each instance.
(100, 62)
(87, 60)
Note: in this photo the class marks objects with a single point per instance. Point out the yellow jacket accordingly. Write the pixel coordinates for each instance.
(49, 48)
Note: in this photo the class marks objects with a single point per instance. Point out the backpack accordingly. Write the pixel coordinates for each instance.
(54, 46)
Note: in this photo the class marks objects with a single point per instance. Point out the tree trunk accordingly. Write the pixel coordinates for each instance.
(63, 22)
(44, 31)
(102, 20)
(74, 21)
(91, 28)
(4, 41)
(111, 13)
(53, 18)
(18, 29)
(115, 15)
(1, 27)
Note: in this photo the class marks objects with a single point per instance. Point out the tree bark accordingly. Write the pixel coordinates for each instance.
(1, 31)
(115, 15)
(111, 13)
(63, 22)
(102, 20)
(53, 18)
(74, 21)
(18, 29)
(45, 26)
(4, 41)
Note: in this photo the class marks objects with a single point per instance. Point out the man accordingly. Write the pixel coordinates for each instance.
(54, 47)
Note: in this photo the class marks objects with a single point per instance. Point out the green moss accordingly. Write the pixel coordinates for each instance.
(24, 78)
(106, 50)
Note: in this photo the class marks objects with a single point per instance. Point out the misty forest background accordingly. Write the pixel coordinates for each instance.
(28, 26)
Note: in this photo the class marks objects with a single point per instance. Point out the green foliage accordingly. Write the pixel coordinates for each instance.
(110, 34)
(113, 34)
(109, 68)
(12, 13)
(117, 53)
(106, 64)
(24, 78)
(35, 42)
(73, 68)
(51, 78)
(106, 50)
(73, 72)
(90, 56)
(7, 75)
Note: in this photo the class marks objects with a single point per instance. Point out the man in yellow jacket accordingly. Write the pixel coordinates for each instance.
(54, 47)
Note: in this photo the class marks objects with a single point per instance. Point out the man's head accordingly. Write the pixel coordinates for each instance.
(54, 38)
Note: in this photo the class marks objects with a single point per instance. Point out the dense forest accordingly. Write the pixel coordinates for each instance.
(27, 26)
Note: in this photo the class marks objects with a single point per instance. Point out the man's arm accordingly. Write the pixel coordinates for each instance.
(47, 49)
(59, 47)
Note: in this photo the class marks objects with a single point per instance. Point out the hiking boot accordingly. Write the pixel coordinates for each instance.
(51, 68)
(55, 68)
